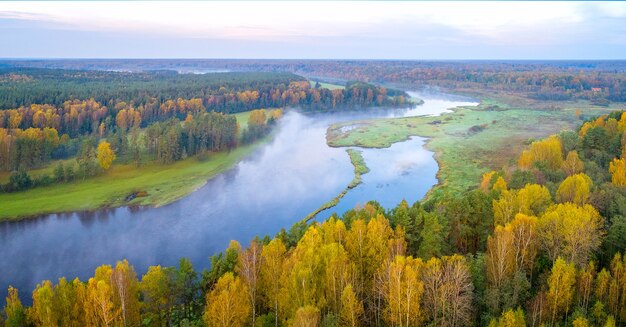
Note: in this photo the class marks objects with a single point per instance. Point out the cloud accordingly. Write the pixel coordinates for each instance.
(335, 28)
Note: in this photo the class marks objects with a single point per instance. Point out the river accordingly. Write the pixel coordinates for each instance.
(279, 184)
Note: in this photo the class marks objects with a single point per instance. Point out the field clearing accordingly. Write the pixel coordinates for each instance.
(466, 142)
(329, 86)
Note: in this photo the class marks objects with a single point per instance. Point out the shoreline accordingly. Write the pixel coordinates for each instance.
(183, 173)
(360, 168)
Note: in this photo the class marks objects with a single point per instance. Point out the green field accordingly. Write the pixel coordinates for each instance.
(329, 86)
(162, 183)
(468, 141)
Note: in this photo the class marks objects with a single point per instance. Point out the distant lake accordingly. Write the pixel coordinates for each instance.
(278, 185)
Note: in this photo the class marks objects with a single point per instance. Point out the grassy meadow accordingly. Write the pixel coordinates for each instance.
(468, 141)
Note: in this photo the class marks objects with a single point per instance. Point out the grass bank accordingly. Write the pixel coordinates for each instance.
(160, 184)
(356, 158)
(468, 141)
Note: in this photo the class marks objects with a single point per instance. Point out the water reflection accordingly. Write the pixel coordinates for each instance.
(278, 185)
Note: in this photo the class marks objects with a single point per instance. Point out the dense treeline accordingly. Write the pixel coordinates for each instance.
(223, 92)
(55, 86)
(33, 134)
(599, 81)
(165, 142)
(540, 243)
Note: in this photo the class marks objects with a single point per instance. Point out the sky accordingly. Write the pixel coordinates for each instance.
(314, 30)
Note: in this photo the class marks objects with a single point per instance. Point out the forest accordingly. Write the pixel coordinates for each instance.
(224, 92)
(538, 243)
(597, 81)
(160, 115)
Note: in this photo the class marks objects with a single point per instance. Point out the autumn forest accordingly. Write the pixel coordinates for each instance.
(538, 238)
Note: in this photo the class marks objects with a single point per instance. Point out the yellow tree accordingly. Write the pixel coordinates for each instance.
(447, 291)
(306, 316)
(228, 303)
(617, 168)
(338, 273)
(248, 268)
(580, 322)
(585, 285)
(500, 261)
(506, 207)
(70, 300)
(100, 299)
(561, 288)
(257, 117)
(351, 308)
(525, 242)
(575, 189)
(486, 181)
(15, 312)
(368, 247)
(570, 231)
(572, 164)
(533, 199)
(500, 184)
(126, 289)
(276, 114)
(510, 318)
(155, 288)
(272, 259)
(43, 312)
(617, 288)
(547, 151)
(403, 292)
(304, 274)
(105, 155)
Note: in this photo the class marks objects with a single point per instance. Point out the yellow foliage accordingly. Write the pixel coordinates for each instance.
(257, 117)
(276, 114)
(570, 231)
(486, 181)
(105, 155)
(547, 151)
(584, 129)
(617, 168)
(580, 322)
(500, 259)
(228, 303)
(572, 164)
(510, 318)
(403, 292)
(499, 185)
(533, 199)
(561, 288)
(306, 316)
(574, 189)
(351, 308)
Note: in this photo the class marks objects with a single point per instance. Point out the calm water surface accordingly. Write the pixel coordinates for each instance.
(278, 185)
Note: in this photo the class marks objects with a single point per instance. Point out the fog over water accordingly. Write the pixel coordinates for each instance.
(279, 184)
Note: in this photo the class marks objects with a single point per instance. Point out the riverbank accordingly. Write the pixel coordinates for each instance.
(360, 168)
(124, 184)
(159, 184)
(467, 141)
